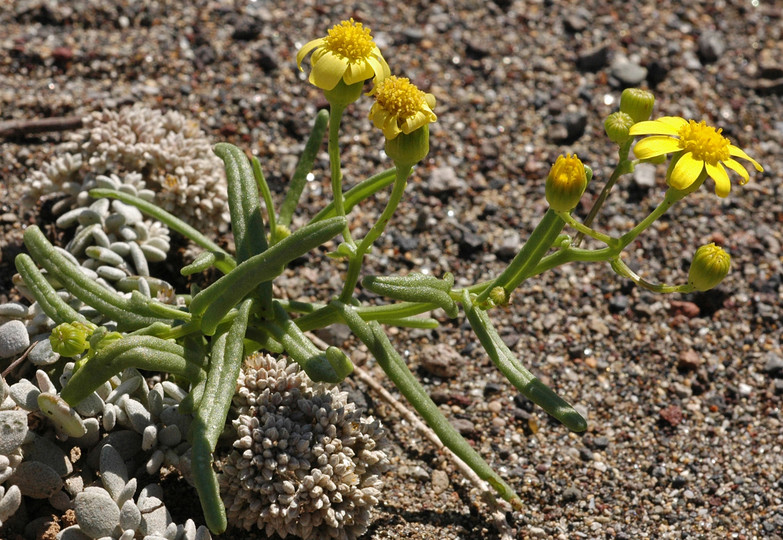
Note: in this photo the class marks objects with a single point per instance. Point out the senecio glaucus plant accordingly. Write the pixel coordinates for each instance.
(203, 343)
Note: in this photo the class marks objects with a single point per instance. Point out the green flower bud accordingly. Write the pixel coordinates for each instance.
(637, 103)
(709, 266)
(617, 126)
(409, 148)
(499, 296)
(344, 94)
(70, 339)
(565, 184)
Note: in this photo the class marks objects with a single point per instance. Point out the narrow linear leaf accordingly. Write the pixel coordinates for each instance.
(304, 167)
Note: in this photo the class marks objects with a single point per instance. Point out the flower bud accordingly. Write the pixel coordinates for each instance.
(565, 184)
(709, 266)
(499, 296)
(409, 148)
(70, 339)
(637, 103)
(617, 126)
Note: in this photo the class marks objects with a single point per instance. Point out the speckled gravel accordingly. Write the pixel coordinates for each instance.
(682, 393)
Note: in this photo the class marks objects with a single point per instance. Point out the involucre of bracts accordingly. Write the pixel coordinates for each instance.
(170, 153)
(305, 462)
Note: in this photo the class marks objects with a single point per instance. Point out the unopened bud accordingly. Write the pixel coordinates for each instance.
(499, 296)
(565, 184)
(617, 126)
(709, 266)
(637, 103)
(70, 339)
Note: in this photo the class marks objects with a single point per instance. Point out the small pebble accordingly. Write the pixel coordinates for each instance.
(14, 339)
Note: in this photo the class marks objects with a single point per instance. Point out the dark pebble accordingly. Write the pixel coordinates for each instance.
(774, 366)
(618, 303)
(593, 59)
(571, 494)
(711, 46)
(465, 427)
(679, 481)
(267, 59)
(247, 29)
(585, 454)
(601, 442)
(491, 389)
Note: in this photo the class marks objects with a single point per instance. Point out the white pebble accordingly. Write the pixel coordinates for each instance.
(13, 339)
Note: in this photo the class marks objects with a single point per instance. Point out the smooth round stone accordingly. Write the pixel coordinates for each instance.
(72, 533)
(42, 354)
(10, 500)
(14, 339)
(139, 416)
(14, 310)
(130, 516)
(96, 513)
(92, 405)
(47, 452)
(114, 473)
(36, 480)
(25, 394)
(13, 430)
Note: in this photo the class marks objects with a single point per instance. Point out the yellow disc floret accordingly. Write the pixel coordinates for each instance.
(346, 55)
(705, 142)
(398, 96)
(350, 40)
(400, 107)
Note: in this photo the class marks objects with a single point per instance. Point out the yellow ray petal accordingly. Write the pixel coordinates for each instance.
(654, 146)
(327, 71)
(735, 151)
(358, 72)
(722, 182)
(675, 121)
(738, 168)
(652, 127)
(379, 65)
(309, 46)
(685, 172)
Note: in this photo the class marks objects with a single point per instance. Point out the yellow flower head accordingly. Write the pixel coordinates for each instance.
(699, 148)
(347, 53)
(400, 107)
(565, 183)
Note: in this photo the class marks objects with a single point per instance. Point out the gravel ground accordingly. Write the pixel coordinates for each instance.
(682, 392)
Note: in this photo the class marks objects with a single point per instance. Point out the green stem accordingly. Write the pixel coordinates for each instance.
(303, 168)
(524, 381)
(335, 117)
(214, 302)
(141, 352)
(623, 166)
(585, 230)
(381, 348)
(355, 264)
(672, 196)
(623, 270)
(55, 307)
(267, 195)
(128, 315)
(361, 191)
(541, 239)
(224, 263)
